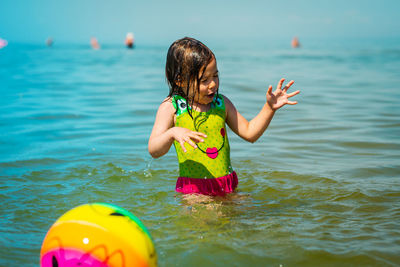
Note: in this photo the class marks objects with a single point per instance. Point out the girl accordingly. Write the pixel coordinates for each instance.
(193, 117)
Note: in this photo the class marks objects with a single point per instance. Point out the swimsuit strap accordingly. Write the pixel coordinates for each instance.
(181, 106)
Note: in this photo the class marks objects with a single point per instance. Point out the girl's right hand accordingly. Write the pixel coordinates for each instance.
(183, 135)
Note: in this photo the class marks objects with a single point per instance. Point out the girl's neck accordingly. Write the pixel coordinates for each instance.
(201, 107)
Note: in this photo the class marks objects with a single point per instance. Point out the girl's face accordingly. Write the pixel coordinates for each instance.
(209, 83)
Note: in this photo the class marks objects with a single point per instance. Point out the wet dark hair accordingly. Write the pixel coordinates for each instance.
(187, 59)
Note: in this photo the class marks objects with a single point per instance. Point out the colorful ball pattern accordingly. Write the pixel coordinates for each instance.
(98, 234)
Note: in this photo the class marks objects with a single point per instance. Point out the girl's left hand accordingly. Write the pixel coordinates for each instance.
(280, 97)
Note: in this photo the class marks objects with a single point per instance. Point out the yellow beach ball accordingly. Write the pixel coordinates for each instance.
(98, 234)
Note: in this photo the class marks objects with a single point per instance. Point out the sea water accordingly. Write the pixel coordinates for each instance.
(321, 187)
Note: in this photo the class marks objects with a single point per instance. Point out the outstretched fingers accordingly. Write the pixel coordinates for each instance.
(269, 91)
(279, 86)
(293, 94)
(280, 97)
(288, 86)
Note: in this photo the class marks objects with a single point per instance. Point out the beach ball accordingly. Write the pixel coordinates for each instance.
(98, 234)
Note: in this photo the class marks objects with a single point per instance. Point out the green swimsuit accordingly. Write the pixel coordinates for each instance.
(211, 158)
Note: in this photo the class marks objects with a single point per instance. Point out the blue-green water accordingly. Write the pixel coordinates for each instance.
(320, 188)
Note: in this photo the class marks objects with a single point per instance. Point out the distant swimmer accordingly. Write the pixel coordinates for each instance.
(295, 42)
(3, 43)
(49, 41)
(130, 40)
(94, 43)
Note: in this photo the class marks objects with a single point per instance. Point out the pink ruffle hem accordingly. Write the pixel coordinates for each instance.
(213, 187)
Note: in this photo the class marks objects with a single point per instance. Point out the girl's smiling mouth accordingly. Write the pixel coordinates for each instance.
(211, 95)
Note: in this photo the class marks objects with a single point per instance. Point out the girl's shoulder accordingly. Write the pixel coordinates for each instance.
(228, 105)
(226, 100)
(167, 106)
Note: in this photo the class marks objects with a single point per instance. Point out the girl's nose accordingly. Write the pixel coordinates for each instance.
(212, 84)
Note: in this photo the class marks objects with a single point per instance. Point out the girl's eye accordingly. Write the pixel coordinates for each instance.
(204, 80)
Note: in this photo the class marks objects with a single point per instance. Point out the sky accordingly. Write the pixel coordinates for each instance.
(76, 21)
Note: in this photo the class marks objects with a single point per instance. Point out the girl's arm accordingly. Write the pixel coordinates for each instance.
(251, 131)
(164, 133)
